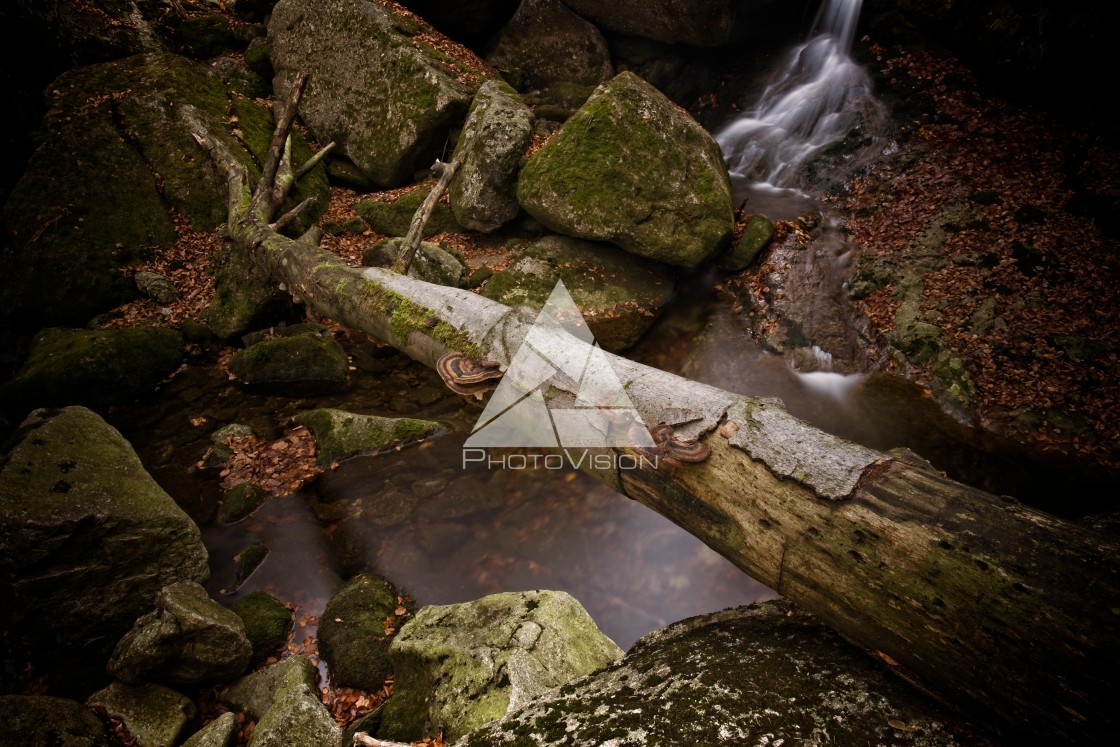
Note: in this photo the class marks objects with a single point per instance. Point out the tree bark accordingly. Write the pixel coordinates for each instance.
(1003, 610)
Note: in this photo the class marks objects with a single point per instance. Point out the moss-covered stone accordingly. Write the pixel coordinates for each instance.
(352, 635)
(155, 715)
(239, 78)
(249, 559)
(45, 721)
(221, 732)
(206, 35)
(764, 674)
(756, 235)
(296, 718)
(92, 367)
(267, 623)
(950, 377)
(258, 59)
(633, 169)
(619, 294)
(393, 217)
(254, 693)
(457, 667)
(306, 358)
(546, 43)
(240, 501)
(378, 87)
(342, 434)
(431, 263)
(114, 155)
(76, 501)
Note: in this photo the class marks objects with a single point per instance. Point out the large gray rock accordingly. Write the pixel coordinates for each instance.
(705, 23)
(89, 537)
(189, 639)
(631, 168)
(460, 666)
(546, 43)
(114, 155)
(378, 86)
(483, 192)
(254, 693)
(221, 732)
(619, 294)
(296, 718)
(92, 367)
(155, 715)
(764, 674)
(352, 635)
(45, 721)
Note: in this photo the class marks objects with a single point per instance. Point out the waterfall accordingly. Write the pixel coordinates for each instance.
(815, 99)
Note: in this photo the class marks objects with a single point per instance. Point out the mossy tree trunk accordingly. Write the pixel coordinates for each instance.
(1005, 611)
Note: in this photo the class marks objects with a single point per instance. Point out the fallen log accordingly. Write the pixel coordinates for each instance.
(1005, 611)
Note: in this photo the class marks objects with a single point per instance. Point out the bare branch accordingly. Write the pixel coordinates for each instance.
(420, 219)
(365, 740)
(264, 192)
(292, 214)
(314, 161)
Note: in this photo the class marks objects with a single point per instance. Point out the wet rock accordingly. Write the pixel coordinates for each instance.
(633, 169)
(221, 732)
(618, 293)
(706, 23)
(296, 718)
(352, 635)
(267, 623)
(462, 497)
(45, 721)
(431, 263)
(249, 559)
(492, 144)
(114, 155)
(155, 286)
(240, 501)
(545, 43)
(79, 513)
(92, 367)
(342, 434)
(189, 639)
(487, 658)
(311, 359)
(254, 693)
(377, 85)
(756, 235)
(764, 674)
(155, 715)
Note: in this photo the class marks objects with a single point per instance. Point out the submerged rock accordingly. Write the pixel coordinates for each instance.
(189, 639)
(632, 168)
(92, 367)
(763, 674)
(459, 666)
(618, 293)
(156, 716)
(499, 128)
(546, 43)
(378, 85)
(91, 538)
(45, 721)
(341, 434)
(352, 634)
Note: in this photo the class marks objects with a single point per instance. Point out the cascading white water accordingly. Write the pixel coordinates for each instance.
(813, 100)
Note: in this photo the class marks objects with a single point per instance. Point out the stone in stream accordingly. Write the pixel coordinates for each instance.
(155, 715)
(296, 718)
(353, 636)
(267, 623)
(308, 360)
(342, 434)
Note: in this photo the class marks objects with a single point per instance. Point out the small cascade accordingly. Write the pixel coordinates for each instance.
(815, 99)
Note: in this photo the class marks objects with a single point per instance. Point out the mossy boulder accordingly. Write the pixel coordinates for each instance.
(431, 263)
(546, 43)
(92, 538)
(254, 693)
(267, 622)
(353, 638)
(189, 639)
(757, 233)
(156, 716)
(46, 721)
(296, 718)
(632, 168)
(114, 154)
(342, 434)
(460, 666)
(701, 23)
(240, 501)
(221, 732)
(764, 674)
(92, 367)
(310, 359)
(498, 129)
(378, 86)
(393, 217)
(618, 293)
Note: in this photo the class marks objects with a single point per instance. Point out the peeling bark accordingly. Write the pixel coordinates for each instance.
(1003, 610)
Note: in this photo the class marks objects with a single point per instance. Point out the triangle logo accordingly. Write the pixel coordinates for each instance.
(560, 348)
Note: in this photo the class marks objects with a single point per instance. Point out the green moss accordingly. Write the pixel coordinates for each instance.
(267, 622)
(249, 559)
(299, 358)
(352, 635)
(394, 218)
(340, 434)
(240, 501)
